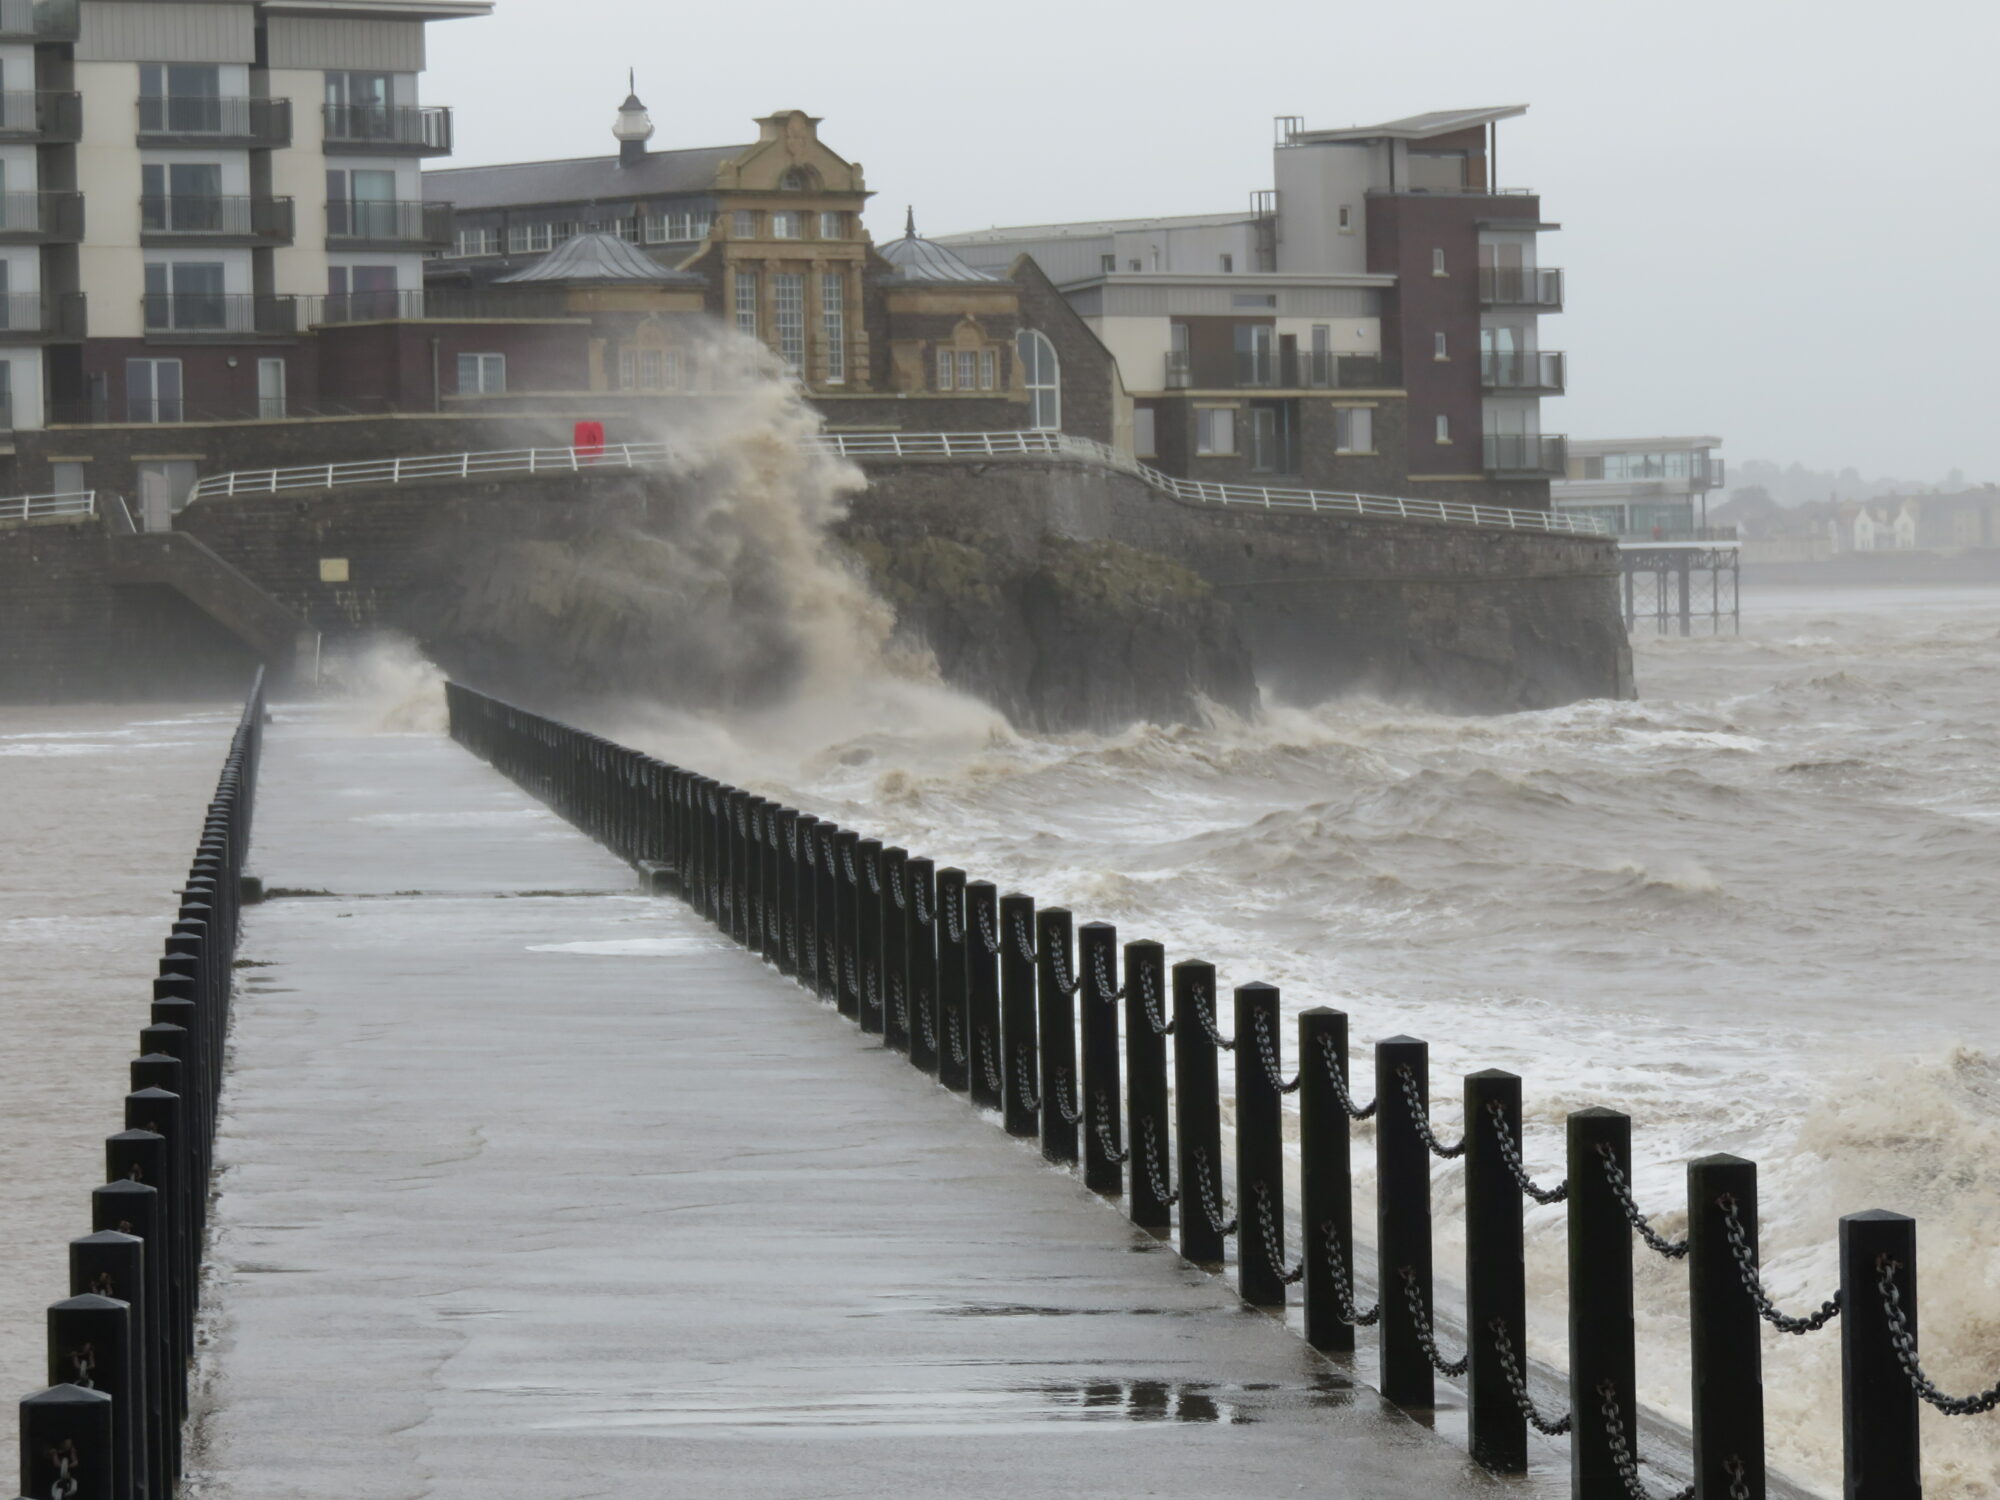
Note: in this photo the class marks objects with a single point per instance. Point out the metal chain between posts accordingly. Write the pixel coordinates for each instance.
(1510, 1369)
(917, 901)
(872, 868)
(1622, 1457)
(896, 892)
(1622, 1191)
(871, 987)
(65, 1459)
(1024, 943)
(811, 964)
(1059, 970)
(1156, 1177)
(955, 931)
(1110, 1147)
(987, 936)
(930, 1027)
(847, 859)
(1267, 1050)
(1274, 1244)
(1149, 1002)
(1344, 1308)
(853, 982)
(1746, 1267)
(1739, 1483)
(1100, 969)
(1905, 1344)
(901, 1001)
(1340, 1094)
(791, 840)
(1510, 1153)
(1209, 1207)
(1422, 1118)
(1205, 1014)
(1451, 1369)
(83, 1361)
(986, 1062)
(792, 939)
(953, 1039)
(1070, 1116)
(1031, 1104)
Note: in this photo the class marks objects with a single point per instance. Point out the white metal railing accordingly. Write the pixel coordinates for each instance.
(901, 445)
(35, 507)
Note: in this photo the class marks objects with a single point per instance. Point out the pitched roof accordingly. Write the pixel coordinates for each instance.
(579, 179)
(600, 257)
(1415, 127)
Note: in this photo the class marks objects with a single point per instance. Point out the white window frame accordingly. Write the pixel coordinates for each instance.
(946, 362)
(1145, 432)
(1353, 430)
(788, 314)
(989, 369)
(1211, 422)
(529, 239)
(1041, 378)
(786, 224)
(833, 326)
(1443, 428)
(1439, 347)
(1437, 262)
(745, 302)
(832, 224)
(743, 224)
(487, 368)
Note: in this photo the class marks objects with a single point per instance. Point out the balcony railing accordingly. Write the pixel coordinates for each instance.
(30, 317)
(209, 314)
(207, 119)
(394, 129)
(1522, 370)
(177, 217)
(40, 217)
(1521, 286)
(1526, 456)
(1324, 370)
(38, 20)
(41, 115)
(369, 222)
(438, 304)
(1268, 370)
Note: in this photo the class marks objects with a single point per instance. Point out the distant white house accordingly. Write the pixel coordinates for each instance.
(1877, 526)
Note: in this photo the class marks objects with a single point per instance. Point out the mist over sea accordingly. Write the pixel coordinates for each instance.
(1754, 909)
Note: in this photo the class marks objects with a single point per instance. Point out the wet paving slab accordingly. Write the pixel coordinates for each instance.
(531, 1186)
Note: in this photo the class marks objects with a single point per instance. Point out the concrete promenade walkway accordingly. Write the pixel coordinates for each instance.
(531, 1187)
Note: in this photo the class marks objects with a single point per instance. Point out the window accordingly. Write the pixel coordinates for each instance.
(799, 180)
(1143, 439)
(944, 369)
(1437, 263)
(1443, 429)
(989, 369)
(1215, 430)
(743, 224)
(185, 294)
(628, 230)
(358, 106)
(746, 302)
(1107, 264)
(833, 226)
(66, 476)
(784, 225)
(482, 374)
(1353, 430)
(270, 389)
(1438, 350)
(655, 231)
(182, 99)
(788, 300)
(529, 238)
(968, 369)
(359, 293)
(1253, 299)
(477, 242)
(1041, 373)
(153, 390)
(565, 231)
(1132, 265)
(1228, 263)
(362, 204)
(1256, 358)
(650, 369)
(181, 197)
(833, 326)
(1346, 219)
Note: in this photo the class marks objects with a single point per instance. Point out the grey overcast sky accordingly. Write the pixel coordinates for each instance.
(1781, 220)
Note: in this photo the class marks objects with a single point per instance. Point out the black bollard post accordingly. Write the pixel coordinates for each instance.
(1261, 1273)
(1097, 960)
(736, 812)
(774, 883)
(812, 885)
(921, 963)
(156, 1112)
(896, 997)
(1150, 1203)
(1403, 1219)
(1017, 1014)
(1724, 1337)
(66, 1444)
(1878, 1405)
(1495, 1268)
(868, 934)
(842, 951)
(128, 1207)
(170, 1040)
(1326, 1179)
(111, 1264)
(988, 1079)
(756, 862)
(1600, 1306)
(1198, 1113)
(954, 1016)
(91, 1344)
(1055, 1014)
(785, 871)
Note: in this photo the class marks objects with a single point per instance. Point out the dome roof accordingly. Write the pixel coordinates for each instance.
(917, 259)
(600, 258)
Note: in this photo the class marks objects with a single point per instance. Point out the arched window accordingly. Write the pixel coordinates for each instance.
(1042, 376)
(799, 180)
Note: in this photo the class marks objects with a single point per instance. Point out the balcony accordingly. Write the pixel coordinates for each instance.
(41, 317)
(388, 129)
(43, 116)
(1324, 370)
(1515, 456)
(1264, 370)
(218, 315)
(40, 218)
(210, 120)
(1529, 372)
(1518, 286)
(437, 304)
(385, 225)
(175, 219)
(38, 20)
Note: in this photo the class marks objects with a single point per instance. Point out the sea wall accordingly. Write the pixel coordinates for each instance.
(1066, 594)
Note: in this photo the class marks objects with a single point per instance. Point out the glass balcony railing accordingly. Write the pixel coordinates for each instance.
(393, 129)
(1521, 286)
(26, 317)
(209, 314)
(40, 218)
(179, 216)
(1522, 370)
(386, 222)
(38, 20)
(1526, 456)
(41, 115)
(211, 119)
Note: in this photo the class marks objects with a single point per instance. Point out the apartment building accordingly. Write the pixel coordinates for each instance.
(1642, 487)
(191, 187)
(1371, 322)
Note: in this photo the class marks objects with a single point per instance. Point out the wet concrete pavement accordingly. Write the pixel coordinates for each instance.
(532, 1187)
